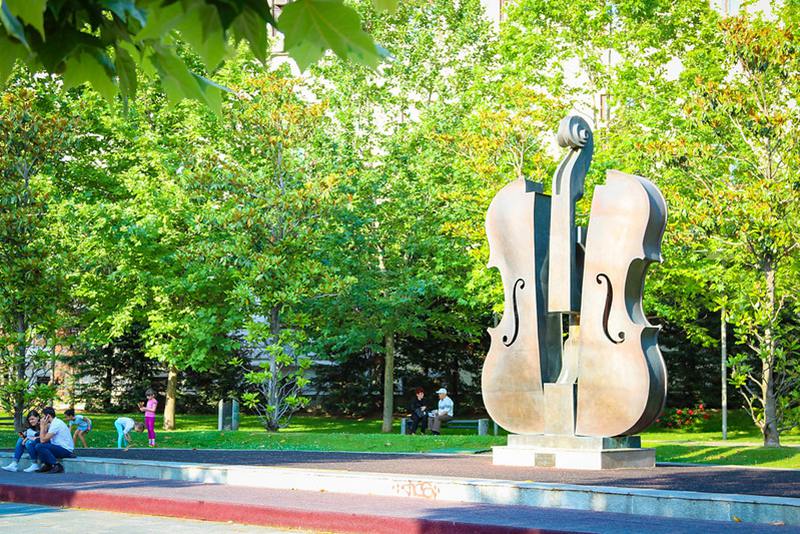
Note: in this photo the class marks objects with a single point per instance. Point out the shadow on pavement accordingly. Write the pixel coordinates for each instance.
(9, 510)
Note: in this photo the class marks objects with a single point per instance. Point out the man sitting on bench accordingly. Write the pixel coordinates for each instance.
(444, 413)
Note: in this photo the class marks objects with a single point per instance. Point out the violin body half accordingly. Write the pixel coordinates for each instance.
(622, 379)
(525, 347)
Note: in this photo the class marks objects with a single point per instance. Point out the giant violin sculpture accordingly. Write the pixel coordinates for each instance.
(608, 377)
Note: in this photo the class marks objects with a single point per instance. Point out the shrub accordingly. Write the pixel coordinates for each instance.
(683, 417)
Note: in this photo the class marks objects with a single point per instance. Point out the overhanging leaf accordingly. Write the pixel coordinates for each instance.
(125, 8)
(177, 79)
(12, 24)
(202, 29)
(252, 28)
(179, 82)
(87, 68)
(11, 52)
(306, 53)
(160, 21)
(312, 26)
(261, 8)
(31, 11)
(126, 72)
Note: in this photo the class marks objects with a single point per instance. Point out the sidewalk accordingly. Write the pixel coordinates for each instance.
(331, 512)
(35, 519)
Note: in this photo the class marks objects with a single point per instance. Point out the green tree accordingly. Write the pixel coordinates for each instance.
(207, 227)
(113, 377)
(389, 237)
(271, 192)
(35, 136)
(744, 108)
(715, 131)
(141, 254)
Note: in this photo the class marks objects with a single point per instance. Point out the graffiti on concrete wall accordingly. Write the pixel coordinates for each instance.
(417, 488)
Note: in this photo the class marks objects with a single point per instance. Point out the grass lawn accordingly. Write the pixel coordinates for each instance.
(740, 430)
(305, 433)
(702, 444)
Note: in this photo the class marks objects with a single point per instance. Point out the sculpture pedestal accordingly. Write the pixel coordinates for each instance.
(574, 452)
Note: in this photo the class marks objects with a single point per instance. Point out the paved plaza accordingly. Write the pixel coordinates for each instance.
(332, 511)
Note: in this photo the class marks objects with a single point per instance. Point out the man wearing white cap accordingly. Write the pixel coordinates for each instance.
(444, 413)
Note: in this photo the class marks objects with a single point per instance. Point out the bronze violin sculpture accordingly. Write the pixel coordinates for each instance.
(608, 377)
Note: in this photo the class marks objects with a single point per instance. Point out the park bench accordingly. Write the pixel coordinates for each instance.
(481, 425)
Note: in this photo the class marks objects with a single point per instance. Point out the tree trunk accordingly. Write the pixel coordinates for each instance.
(272, 396)
(22, 352)
(388, 384)
(772, 436)
(172, 391)
(723, 341)
(108, 387)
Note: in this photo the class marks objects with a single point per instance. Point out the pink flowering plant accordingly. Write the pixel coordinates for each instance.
(683, 417)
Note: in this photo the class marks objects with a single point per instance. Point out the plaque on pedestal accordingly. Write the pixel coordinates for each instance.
(574, 452)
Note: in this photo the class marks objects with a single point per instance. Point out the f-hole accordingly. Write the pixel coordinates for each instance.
(520, 283)
(607, 310)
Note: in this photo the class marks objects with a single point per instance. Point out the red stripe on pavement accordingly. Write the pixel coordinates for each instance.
(248, 514)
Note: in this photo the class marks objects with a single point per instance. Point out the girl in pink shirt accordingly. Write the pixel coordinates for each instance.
(150, 415)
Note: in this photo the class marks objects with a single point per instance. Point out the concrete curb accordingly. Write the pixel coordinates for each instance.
(248, 514)
(678, 504)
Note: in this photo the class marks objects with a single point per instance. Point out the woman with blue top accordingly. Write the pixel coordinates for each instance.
(27, 442)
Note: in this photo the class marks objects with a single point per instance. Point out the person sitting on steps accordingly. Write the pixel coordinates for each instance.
(55, 442)
(27, 442)
(443, 413)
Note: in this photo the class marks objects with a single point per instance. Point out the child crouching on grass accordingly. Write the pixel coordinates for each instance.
(83, 423)
(124, 425)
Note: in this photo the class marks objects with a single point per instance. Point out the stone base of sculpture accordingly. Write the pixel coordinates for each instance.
(574, 452)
